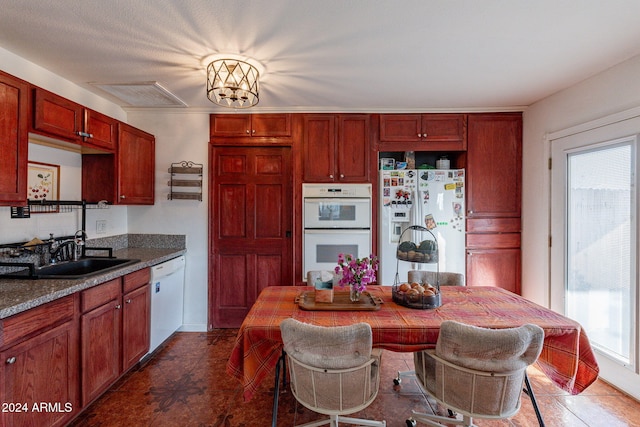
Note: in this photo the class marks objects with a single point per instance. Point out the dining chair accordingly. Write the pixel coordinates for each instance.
(476, 372)
(422, 276)
(333, 370)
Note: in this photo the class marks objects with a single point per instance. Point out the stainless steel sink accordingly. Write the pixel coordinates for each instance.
(73, 269)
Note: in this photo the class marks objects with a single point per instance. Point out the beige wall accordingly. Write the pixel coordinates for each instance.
(613, 91)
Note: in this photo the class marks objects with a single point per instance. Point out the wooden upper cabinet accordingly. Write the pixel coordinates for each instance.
(428, 131)
(126, 177)
(135, 166)
(14, 139)
(59, 117)
(101, 130)
(250, 125)
(494, 165)
(336, 148)
(319, 148)
(353, 148)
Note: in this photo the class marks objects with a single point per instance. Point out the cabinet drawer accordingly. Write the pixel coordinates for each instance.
(493, 240)
(493, 225)
(136, 279)
(21, 325)
(101, 294)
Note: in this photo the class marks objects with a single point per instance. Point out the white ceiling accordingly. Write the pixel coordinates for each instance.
(333, 55)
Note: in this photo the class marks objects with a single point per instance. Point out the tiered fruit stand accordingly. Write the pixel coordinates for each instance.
(421, 295)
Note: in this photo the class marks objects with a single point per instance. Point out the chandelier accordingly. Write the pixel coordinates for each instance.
(232, 83)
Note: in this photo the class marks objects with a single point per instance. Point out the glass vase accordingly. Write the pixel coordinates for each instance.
(354, 294)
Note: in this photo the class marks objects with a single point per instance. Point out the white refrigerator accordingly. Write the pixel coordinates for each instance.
(431, 198)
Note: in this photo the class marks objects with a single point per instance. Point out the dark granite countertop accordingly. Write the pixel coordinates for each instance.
(20, 295)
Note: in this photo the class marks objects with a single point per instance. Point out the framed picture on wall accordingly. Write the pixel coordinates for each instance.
(43, 183)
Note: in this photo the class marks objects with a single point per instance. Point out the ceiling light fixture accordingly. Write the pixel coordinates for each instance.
(232, 83)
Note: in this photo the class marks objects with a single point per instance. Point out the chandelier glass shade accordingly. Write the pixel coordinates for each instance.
(232, 83)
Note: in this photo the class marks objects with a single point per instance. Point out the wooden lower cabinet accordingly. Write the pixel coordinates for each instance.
(136, 312)
(39, 375)
(114, 331)
(61, 356)
(494, 267)
(100, 354)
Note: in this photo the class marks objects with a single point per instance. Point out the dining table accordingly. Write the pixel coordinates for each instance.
(567, 357)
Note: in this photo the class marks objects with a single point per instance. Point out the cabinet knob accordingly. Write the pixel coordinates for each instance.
(123, 196)
(128, 301)
(253, 131)
(11, 360)
(118, 307)
(341, 175)
(419, 135)
(331, 176)
(248, 131)
(469, 212)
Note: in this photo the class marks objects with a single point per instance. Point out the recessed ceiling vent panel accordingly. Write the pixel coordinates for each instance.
(142, 94)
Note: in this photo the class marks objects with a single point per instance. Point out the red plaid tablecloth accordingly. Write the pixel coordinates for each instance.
(566, 358)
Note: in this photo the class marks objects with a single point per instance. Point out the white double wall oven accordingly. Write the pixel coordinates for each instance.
(336, 219)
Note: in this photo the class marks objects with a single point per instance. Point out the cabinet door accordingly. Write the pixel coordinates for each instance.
(250, 125)
(57, 116)
(230, 125)
(423, 132)
(494, 165)
(353, 148)
(14, 137)
(494, 267)
(400, 127)
(276, 125)
(103, 131)
(41, 369)
(445, 128)
(319, 148)
(100, 349)
(136, 318)
(136, 166)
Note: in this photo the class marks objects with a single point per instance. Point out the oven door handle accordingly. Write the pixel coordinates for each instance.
(334, 200)
(337, 230)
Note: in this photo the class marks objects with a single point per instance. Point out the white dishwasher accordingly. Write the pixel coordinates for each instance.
(167, 297)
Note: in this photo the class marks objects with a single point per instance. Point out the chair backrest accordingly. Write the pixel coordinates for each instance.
(332, 369)
(479, 371)
(336, 347)
(431, 277)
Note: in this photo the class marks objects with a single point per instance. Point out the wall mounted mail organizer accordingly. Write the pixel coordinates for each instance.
(186, 181)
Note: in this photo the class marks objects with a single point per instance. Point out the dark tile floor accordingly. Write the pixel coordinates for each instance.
(185, 384)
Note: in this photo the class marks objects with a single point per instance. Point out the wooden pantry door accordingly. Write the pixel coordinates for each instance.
(250, 222)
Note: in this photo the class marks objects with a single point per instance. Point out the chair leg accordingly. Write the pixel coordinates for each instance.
(327, 421)
(360, 421)
(397, 380)
(529, 392)
(438, 420)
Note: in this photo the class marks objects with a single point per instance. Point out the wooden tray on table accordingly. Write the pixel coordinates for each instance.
(341, 302)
